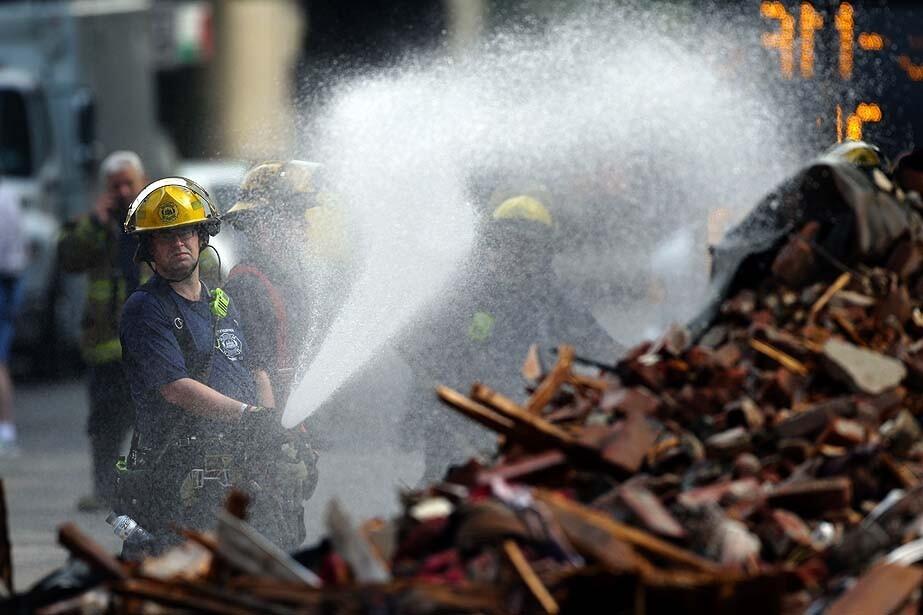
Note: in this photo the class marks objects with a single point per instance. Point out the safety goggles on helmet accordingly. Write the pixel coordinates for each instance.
(169, 203)
(183, 233)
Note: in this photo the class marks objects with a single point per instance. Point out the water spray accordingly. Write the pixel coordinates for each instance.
(640, 122)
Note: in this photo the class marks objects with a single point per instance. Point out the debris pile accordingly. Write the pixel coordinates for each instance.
(771, 464)
(774, 465)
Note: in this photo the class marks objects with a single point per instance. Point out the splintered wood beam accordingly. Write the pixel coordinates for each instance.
(521, 416)
(483, 394)
(588, 382)
(516, 470)
(550, 385)
(84, 548)
(193, 599)
(883, 589)
(564, 508)
(838, 285)
(475, 411)
(785, 360)
(528, 576)
(900, 471)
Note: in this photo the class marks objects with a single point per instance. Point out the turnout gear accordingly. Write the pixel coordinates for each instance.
(512, 300)
(105, 255)
(273, 285)
(100, 250)
(281, 363)
(190, 466)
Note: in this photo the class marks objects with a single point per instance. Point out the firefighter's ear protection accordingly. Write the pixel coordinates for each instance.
(219, 302)
(212, 227)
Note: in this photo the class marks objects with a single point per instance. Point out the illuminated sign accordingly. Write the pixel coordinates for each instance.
(854, 49)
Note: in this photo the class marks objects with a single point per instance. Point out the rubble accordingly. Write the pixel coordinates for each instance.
(771, 470)
(863, 370)
(771, 463)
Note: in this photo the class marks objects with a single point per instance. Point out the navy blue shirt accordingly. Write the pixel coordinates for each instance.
(152, 325)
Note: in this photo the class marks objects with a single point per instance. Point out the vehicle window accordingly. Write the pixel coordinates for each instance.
(15, 144)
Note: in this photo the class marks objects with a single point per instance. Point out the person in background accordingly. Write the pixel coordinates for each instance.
(509, 298)
(94, 244)
(12, 264)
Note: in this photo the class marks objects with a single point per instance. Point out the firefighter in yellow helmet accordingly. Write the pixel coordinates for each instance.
(205, 417)
(507, 299)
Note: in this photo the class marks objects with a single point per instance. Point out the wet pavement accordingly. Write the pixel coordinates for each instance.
(51, 472)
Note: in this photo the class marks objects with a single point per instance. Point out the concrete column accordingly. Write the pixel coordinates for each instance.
(256, 45)
(466, 23)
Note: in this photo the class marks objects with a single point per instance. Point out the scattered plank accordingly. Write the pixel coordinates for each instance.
(528, 576)
(84, 548)
(883, 589)
(550, 385)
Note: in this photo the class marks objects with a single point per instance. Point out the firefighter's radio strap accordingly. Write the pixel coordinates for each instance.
(219, 304)
(199, 368)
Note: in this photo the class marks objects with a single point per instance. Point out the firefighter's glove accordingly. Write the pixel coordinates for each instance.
(263, 424)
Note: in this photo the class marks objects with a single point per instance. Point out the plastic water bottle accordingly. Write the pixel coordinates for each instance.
(128, 530)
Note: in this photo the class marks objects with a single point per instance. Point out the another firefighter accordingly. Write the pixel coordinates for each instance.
(272, 282)
(205, 417)
(94, 244)
(507, 299)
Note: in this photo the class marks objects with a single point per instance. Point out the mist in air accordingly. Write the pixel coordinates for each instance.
(638, 125)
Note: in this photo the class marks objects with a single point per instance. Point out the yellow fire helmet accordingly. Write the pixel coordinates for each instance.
(285, 187)
(172, 202)
(524, 207)
(858, 153)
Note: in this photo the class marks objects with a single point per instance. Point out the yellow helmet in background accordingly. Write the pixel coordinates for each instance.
(172, 202)
(524, 207)
(858, 153)
(286, 187)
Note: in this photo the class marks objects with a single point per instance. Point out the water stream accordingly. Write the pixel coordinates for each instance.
(639, 125)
